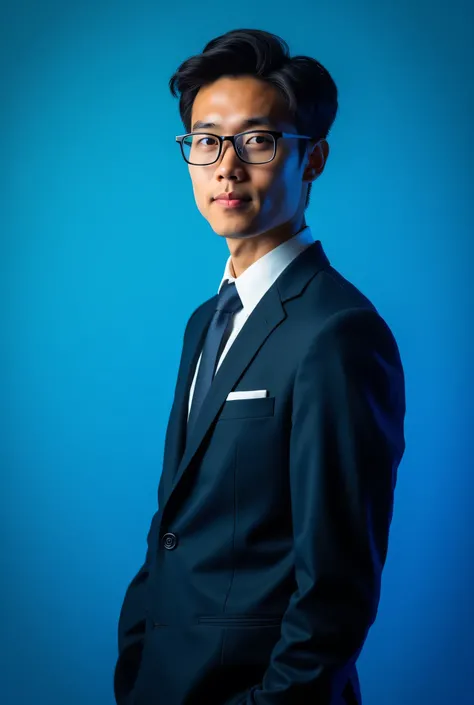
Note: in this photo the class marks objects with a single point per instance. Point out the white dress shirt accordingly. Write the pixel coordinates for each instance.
(253, 283)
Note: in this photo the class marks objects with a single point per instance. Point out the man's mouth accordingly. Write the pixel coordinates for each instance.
(232, 199)
(232, 202)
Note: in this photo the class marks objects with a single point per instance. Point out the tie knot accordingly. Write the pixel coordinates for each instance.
(229, 299)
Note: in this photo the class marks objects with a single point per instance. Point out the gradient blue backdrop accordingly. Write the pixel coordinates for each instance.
(104, 256)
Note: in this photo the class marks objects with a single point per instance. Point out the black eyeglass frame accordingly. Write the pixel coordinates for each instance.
(276, 134)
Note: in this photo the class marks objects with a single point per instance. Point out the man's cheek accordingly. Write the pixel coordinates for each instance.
(203, 206)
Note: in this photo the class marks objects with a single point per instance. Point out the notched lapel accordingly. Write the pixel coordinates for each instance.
(176, 435)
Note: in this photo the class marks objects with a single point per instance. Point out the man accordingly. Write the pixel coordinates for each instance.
(263, 569)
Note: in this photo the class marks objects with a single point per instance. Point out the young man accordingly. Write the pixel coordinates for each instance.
(263, 569)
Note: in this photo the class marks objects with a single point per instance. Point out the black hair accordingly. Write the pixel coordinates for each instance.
(307, 87)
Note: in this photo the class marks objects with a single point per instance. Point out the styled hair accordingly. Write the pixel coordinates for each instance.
(309, 91)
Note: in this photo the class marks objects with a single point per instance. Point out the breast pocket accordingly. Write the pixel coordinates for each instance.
(248, 408)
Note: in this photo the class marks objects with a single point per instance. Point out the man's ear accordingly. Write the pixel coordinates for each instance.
(317, 159)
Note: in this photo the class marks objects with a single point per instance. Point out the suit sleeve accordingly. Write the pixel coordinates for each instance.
(347, 440)
(132, 619)
(132, 625)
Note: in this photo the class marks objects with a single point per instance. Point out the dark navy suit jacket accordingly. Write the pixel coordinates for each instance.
(263, 569)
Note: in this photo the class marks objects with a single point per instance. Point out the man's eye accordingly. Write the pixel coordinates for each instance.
(212, 139)
(262, 138)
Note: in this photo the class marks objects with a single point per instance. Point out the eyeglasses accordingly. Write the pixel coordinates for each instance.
(252, 147)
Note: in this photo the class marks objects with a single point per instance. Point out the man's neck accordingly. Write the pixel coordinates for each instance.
(244, 252)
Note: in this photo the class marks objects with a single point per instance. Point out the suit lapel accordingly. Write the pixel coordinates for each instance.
(177, 427)
(266, 316)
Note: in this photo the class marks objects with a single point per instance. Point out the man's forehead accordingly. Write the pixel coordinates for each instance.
(239, 102)
(239, 120)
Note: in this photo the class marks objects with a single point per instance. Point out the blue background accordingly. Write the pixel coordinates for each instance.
(104, 256)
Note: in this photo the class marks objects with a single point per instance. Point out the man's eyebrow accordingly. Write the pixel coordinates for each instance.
(249, 122)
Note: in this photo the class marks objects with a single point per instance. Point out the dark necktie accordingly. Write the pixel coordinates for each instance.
(228, 303)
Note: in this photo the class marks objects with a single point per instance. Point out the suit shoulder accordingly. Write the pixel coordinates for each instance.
(345, 311)
(337, 294)
(202, 310)
(336, 300)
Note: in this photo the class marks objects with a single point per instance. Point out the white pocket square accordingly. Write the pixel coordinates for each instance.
(250, 394)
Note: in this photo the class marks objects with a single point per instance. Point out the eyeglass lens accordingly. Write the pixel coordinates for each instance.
(253, 147)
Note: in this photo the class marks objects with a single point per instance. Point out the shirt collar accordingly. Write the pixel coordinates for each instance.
(252, 284)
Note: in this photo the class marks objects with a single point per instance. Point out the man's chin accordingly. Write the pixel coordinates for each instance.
(241, 227)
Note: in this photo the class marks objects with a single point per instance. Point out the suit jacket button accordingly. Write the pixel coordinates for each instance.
(170, 541)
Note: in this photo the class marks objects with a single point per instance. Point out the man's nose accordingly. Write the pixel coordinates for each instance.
(228, 159)
(228, 149)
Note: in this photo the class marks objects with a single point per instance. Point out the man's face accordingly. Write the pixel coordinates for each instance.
(276, 189)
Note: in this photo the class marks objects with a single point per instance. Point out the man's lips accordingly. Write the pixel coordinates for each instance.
(231, 196)
(232, 202)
